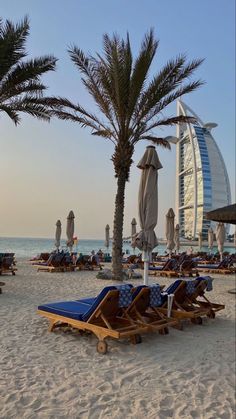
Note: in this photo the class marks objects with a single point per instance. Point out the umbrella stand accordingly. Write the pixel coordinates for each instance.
(145, 258)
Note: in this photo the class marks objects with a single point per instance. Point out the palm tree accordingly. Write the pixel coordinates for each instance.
(21, 89)
(130, 109)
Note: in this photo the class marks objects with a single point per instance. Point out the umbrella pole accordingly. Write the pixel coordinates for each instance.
(145, 258)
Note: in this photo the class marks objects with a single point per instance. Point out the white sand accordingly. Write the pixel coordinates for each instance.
(186, 374)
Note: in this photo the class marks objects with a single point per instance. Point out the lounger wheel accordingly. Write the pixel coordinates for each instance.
(13, 273)
(211, 314)
(102, 347)
(196, 320)
(164, 331)
(136, 339)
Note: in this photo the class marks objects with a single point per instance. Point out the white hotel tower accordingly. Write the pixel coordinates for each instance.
(202, 182)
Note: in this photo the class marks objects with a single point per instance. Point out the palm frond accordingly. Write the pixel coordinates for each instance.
(157, 141)
(12, 44)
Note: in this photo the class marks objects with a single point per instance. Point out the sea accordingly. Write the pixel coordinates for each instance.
(30, 247)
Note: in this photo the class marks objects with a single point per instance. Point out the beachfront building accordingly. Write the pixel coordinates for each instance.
(202, 182)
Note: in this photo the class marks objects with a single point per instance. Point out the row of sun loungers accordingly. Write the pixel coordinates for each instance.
(61, 262)
(124, 311)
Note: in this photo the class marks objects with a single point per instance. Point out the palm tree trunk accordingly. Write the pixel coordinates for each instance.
(118, 228)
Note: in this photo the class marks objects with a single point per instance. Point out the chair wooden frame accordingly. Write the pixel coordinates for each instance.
(104, 322)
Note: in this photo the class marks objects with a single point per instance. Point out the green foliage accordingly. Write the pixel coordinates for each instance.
(21, 89)
(129, 107)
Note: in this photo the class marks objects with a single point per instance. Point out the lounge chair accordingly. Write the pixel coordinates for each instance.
(7, 264)
(53, 264)
(202, 284)
(186, 304)
(224, 267)
(84, 262)
(99, 315)
(144, 308)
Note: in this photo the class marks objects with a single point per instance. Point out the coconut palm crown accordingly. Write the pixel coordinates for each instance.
(130, 108)
(21, 89)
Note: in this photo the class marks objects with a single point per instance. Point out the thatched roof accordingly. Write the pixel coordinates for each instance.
(224, 214)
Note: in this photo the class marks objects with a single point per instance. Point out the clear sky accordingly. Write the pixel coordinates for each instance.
(48, 169)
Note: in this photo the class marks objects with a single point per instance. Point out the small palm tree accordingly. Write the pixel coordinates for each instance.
(130, 109)
(21, 89)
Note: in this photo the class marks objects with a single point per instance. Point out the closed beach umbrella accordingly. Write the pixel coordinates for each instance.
(200, 240)
(146, 239)
(58, 234)
(220, 238)
(176, 238)
(170, 230)
(133, 231)
(210, 239)
(107, 235)
(70, 230)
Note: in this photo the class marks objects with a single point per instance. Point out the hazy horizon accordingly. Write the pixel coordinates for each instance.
(49, 169)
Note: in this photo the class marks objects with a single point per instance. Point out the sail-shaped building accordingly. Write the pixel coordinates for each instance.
(202, 182)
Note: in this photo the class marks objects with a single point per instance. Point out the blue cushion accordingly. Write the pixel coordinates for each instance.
(137, 290)
(155, 268)
(210, 266)
(71, 309)
(77, 310)
(172, 288)
(88, 301)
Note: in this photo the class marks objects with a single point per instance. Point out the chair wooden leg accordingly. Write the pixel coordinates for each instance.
(51, 325)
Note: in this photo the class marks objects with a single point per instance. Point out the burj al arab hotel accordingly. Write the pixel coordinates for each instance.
(202, 182)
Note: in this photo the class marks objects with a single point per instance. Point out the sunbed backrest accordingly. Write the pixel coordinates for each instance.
(90, 313)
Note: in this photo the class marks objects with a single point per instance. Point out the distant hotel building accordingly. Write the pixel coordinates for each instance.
(202, 182)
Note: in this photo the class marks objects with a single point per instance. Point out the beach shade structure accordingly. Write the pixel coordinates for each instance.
(210, 239)
(133, 231)
(224, 215)
(220, 238)
(200, 240)
(70, 230)
(146, 239)
(107, 235)
(58, 234)
(176, 238)
(170, 230)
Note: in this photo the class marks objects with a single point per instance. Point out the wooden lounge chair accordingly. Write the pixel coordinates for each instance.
(54, 263)
(101, 317)
(204, 283)
(84, 262)
(7, 264)
(169, 269)
(186, 304)
(224, 267)
(144, 309)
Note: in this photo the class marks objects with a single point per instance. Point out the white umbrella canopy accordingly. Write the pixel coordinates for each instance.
(107, 235)
(200, 240)
(70, 230)
(146, 239)
(176, 238)
(58, 234)
(210, 238)
(220, 238)
(170, 230)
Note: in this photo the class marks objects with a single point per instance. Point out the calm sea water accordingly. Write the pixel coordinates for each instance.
(29, 247)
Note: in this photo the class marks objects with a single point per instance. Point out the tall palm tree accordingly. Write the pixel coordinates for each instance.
(21, 89)
(130, 108)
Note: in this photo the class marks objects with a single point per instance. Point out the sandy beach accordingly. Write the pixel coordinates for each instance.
(186, 374)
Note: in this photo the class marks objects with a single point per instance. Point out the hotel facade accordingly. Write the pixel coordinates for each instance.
(202, 182)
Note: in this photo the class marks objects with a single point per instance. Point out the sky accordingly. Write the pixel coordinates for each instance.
(46, 170)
